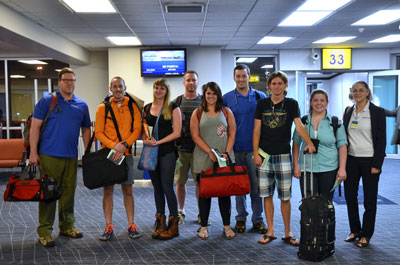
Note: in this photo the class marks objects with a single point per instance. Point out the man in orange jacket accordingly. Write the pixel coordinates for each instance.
(106, 133)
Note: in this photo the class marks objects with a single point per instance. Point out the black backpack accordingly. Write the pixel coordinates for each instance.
(107, 103)
(334, 123)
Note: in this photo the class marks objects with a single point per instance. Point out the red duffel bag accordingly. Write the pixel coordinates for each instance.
(224, 181)
(32, 185)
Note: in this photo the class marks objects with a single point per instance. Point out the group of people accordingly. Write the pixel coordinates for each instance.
(252, 129)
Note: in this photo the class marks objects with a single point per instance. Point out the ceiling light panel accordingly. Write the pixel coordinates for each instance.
(246, 59)
(306, 18)
(32, 62)
(273, 40)
(124, 41)
(323, 5)
(388, 38)
(90, 6)
(334, 39)
(381, 17)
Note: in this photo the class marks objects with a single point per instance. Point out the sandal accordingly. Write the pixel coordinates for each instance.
(203, 233)
(228, 233)
(363, 244)
(352, 237)
(266, 237)
(291, 240)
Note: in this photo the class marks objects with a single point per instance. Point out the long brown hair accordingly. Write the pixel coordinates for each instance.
(167, 112)
(215, 88)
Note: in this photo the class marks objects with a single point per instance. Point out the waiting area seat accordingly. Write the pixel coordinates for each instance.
(11, 151)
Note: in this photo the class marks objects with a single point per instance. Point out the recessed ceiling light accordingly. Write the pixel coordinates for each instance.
(334, 39)
(312, 12)
(273, 40)
(125, 41)
(57, 70)
(32, 62)
(17, 76)
(321, 5)
(381, 17)
(246, 59)
(388, 38)
(90, 6)
(267, 66)
(308, 18)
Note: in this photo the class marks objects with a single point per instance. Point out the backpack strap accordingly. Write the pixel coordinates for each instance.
(200, 111)
(52, 106)
(304, 120)
(335, 124)
(178, 100)
(257, 96)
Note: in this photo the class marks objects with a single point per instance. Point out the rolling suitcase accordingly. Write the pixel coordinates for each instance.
(317, 224)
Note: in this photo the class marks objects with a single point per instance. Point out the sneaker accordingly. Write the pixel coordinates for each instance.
(133, 232)
(240, 226)
(107, 233)
(181, 217)
(72, 233)
(46, 241)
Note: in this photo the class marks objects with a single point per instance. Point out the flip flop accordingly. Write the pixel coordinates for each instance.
(228, 233)
(203, 233)
(266, 237)
(291, 240)
(363, 244)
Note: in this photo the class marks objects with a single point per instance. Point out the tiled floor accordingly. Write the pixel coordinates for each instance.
(18, 238)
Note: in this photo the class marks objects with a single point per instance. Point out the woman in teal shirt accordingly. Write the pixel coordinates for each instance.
(330, 161)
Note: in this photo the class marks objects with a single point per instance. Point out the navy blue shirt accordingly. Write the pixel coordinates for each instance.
(243, 108)
(60, 137)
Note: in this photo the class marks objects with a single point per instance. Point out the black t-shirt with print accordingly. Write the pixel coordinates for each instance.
(276, 124)
(164, 128)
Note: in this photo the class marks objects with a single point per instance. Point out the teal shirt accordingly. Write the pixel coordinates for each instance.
(327, 158)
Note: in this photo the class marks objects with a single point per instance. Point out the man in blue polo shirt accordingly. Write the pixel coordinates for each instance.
(58, 153)
(243, 101)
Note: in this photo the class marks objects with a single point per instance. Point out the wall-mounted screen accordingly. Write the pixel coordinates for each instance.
(336, 59)
(163, 62)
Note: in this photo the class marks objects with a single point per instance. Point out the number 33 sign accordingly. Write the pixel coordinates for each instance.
(336, 58)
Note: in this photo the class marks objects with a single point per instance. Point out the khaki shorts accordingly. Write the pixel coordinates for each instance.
(182, 174)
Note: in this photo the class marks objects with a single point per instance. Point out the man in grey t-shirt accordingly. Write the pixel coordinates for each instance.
(187, 102)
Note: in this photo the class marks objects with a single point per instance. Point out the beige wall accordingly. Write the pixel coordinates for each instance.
(92, 81)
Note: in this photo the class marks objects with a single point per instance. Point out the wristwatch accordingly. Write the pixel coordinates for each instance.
(125, 144)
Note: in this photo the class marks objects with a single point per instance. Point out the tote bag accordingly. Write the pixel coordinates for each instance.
(149, 157)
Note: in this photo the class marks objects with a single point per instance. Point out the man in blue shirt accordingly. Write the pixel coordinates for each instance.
(243, 101)
(58, 153)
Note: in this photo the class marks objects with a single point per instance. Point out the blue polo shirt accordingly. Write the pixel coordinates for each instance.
(327, 158)
(243, 107)
(60, 137)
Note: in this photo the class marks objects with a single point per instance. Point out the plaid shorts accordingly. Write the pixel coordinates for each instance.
(279, 171)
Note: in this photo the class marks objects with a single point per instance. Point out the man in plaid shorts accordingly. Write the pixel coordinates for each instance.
(272, 134)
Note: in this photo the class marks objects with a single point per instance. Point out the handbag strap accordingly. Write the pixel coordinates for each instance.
(155, 130)
(31, 172)
(230, 164)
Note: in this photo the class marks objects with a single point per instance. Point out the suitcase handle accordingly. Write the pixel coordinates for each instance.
(305, 176)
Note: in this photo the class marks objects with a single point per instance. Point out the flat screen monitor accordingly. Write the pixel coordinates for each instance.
(163, 62)
(336, 59)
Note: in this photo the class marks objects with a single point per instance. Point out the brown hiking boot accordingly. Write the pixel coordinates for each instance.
(160, 226)
(172, 230)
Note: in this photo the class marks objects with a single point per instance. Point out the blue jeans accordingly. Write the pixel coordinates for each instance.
(245, 158)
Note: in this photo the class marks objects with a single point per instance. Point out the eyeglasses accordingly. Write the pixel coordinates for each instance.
(358, 90)
(68, 80)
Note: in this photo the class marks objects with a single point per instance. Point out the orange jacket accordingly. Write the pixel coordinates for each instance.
(107, 134)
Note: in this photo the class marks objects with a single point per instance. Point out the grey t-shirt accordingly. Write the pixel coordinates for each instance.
(214, 131)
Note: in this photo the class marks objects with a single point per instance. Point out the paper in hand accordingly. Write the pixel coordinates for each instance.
(265, 156)
(337, 183)
(110, 157)
(221, 160)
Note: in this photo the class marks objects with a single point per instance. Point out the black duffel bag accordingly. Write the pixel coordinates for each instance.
(98, 171)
